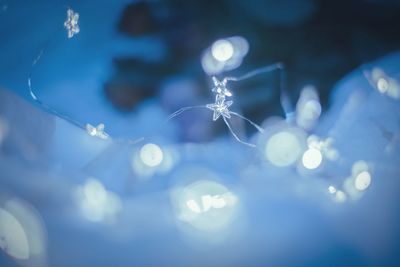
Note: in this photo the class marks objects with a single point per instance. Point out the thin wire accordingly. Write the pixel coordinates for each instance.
(51, 109)
(250, 74)
(261, 130)
(284, 96)
(35, 97)
(181, 110)
(236, 137)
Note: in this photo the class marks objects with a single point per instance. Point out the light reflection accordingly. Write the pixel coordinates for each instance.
(96, 203)
(283, 148)
(308, 108)
(312, 158)
(384, 83)
(151, 155)
(22, 234)
(222, 50)
(362, 181)
(153, 159)
(340, 196)
(224, 55)
(325, 146)
(205, 205)
(13, 239)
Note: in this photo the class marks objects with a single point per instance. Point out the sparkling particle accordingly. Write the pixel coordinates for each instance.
(13, 237)
(96, 203)
(71, 24)
(283, 149)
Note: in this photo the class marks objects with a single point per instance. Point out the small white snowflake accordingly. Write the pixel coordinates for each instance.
(71, 24)
(97, 131)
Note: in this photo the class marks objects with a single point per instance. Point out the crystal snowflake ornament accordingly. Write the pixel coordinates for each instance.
(220, 87)
(97, 130)
(220, 107)
(71, 24)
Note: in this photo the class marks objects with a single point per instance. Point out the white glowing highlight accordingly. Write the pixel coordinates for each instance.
(96, 203)
(222, 50)
(152, 161)
(312, 158)
(283, 149)
(362, 181)
(151, 155)
(358, 167)
(332, 189)
(224, 55)
(22, 234)
(308, 108)
(340, 196)
(205, 205)
(13, 239)
(384, 83)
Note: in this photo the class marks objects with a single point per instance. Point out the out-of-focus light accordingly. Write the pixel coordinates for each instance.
(283, 148)
(394, 89)
(325, 146)
(13, 239)
(312, 158)
(308, 108)
(312, 110)
(382, 85)
(151, 155)
(222, 50)
(205, 205)
(152, 159)
(22, 233)
(96, 203)
(224, 55)
(362, 181)
(385, 84)
(340, 196)
(193, 206)
(358, 167)
(332, 189)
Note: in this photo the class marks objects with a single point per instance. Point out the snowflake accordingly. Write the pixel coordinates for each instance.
(97, 130)
(71, 24)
